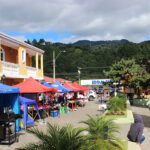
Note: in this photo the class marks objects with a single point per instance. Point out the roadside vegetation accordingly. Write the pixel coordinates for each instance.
(117, 105)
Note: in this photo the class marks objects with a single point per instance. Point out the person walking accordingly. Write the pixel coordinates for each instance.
(135, 133)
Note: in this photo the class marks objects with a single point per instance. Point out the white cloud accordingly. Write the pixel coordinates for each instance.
(20, 38)
(85, 19)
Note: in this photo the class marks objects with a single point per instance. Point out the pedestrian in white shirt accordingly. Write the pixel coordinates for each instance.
(102, 108)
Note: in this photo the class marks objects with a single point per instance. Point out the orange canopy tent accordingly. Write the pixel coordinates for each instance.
(32, 86)
(75, 84)
(70, 86)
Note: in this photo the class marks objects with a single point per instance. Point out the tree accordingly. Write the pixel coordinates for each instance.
(56, 138)
(128, 74)
(129, 50)
(101, 134)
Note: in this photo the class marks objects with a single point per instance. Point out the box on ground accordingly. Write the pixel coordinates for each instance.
(54, 113)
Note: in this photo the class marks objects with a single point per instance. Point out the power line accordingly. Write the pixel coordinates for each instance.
(91, 67)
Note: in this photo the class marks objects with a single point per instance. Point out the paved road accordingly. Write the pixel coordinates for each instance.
(72, 118)
(81, 114)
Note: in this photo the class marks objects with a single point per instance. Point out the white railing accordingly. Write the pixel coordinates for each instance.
(31, 72)
(10, 69)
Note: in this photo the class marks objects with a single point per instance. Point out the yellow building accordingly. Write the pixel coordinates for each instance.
(19, 60)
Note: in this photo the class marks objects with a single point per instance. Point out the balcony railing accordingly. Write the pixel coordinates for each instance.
(31, 72)
(10, 69)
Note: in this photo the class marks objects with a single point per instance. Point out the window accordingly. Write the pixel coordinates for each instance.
(2, 55)
(23, 55)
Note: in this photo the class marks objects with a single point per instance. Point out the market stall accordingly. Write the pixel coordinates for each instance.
(28, 105)
(32, 87)
(9, 99)
(9, 113)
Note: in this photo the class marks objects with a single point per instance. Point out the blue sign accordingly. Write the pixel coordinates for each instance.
(99, 82)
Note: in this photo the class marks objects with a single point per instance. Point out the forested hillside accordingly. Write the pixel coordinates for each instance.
(91, 56)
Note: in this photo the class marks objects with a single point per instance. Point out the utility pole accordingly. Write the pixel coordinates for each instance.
(79, 72)
(54, 62)
(53, 65)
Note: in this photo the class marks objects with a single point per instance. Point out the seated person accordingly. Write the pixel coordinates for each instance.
(135, 133)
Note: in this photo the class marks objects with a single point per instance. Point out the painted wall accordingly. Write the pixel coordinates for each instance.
(11, 55)
(13, 81)
(22, 65)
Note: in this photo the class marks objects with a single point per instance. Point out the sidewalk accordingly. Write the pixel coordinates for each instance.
(145, 113)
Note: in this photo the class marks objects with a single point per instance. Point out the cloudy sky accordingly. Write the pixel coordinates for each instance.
(71, 20)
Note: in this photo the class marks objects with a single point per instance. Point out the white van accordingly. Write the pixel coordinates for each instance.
(91, 95)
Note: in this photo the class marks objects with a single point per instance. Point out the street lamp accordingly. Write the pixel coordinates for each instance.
(54, 62)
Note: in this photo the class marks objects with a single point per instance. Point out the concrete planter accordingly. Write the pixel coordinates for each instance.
(126, 120)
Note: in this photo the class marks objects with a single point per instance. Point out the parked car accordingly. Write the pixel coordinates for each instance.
(91, 95)
(99, 91)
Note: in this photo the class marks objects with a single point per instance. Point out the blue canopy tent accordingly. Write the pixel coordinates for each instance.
(56, 84)
(61, 88)
(46, 84)
(9, 98)
(27, 120)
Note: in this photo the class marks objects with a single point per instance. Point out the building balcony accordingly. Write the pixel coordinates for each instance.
(11, 70)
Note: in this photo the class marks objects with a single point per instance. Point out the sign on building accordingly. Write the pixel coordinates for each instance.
(94, 81)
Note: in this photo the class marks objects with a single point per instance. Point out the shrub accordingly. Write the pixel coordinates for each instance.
(121, 96)
(101, 134)
(117, 103)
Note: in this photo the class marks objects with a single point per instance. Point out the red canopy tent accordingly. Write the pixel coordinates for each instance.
(62, 80)
(32, 86)
(75, 84)
(48, 79)
(70, 86)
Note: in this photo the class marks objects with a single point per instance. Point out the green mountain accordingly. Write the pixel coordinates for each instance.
(94, 43)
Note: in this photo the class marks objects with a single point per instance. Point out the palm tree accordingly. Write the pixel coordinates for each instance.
(56, 138)
(101, 134)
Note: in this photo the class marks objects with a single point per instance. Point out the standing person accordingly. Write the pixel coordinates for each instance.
(102, 108)
(143, 94)
(135, 133)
